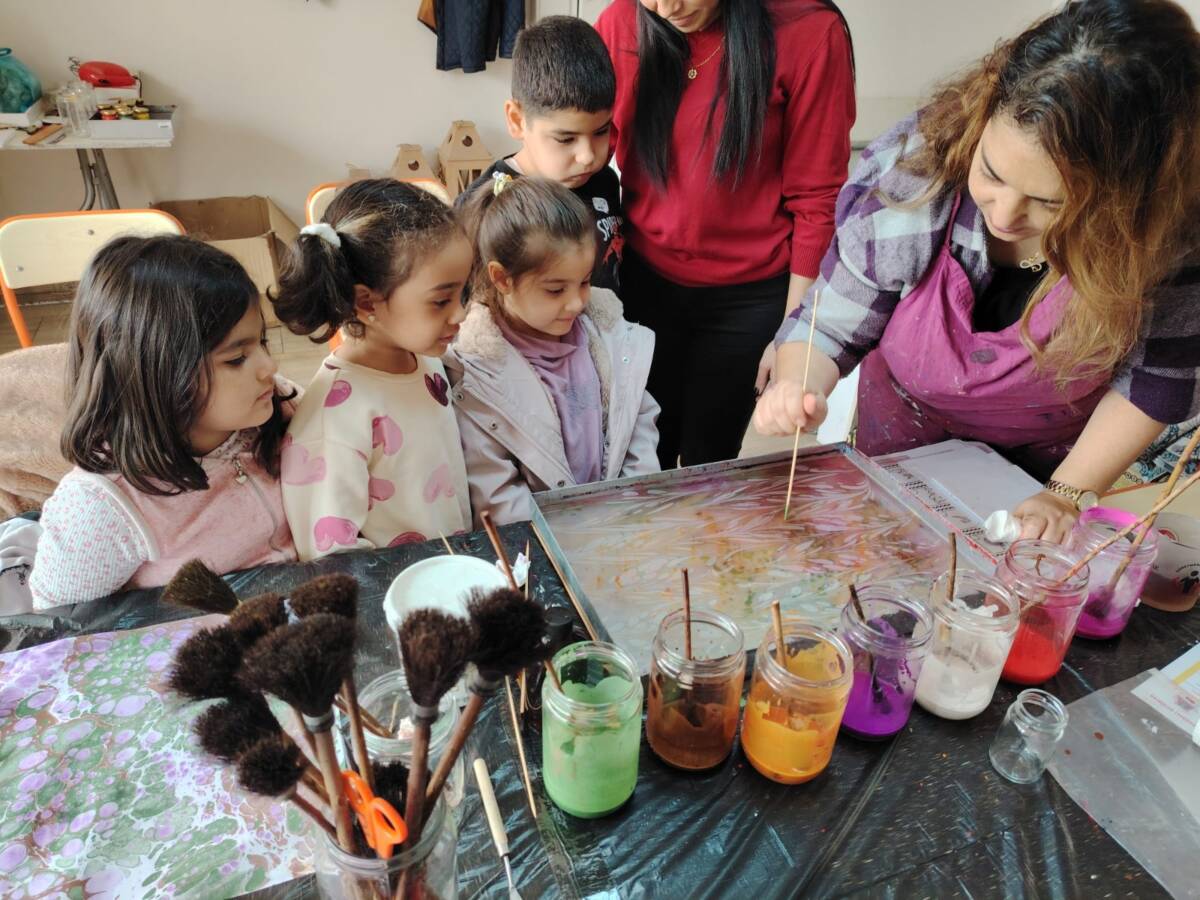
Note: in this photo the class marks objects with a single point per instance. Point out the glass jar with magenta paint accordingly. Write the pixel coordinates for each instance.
(796, 702)
(1111, 596)
(1039, 575)
(591, 729)
(972, 634)
(694, 698)
(888, 634)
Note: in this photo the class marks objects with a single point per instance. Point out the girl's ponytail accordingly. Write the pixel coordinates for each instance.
(316, 287)
(375, 231)
(520, 223)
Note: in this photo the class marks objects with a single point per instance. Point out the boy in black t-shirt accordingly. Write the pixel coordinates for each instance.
(563, 90)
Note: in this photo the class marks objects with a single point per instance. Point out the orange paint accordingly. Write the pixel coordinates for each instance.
(791, 723)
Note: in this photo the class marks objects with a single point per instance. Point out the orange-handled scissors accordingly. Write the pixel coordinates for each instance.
(382, 825)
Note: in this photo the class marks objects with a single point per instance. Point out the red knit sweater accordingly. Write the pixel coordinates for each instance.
(699, 232)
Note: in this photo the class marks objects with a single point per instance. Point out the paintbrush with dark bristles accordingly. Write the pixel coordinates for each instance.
(510, 633)
(229, 728)
(434, 647)
(256, 617)
(304, 665)
(274, 768)
(206, 665)
(197, 586)
(338, 595)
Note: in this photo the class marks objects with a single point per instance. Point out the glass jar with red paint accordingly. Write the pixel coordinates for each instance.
(1036, 574)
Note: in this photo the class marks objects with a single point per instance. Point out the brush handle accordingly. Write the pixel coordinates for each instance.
(414, 803)
(370, 723)
(313, 813)
(361, 758)
(315, 783)
(490, 806)
(516, 724)
(1172, 480)
(333, 787)
(453, 749)
(494, 536)
(1124, 532)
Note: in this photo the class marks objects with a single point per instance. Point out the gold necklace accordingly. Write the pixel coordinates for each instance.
(695, 70)
(1033, 262)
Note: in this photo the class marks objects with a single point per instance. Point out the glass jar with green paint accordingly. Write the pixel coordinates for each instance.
(591, 729)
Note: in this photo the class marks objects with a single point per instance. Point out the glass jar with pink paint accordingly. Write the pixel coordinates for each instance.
(888, 633)
(1118, 573)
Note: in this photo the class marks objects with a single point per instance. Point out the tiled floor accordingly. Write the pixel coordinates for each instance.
(298, 358)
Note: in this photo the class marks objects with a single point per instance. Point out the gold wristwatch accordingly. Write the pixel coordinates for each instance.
(1081, 498)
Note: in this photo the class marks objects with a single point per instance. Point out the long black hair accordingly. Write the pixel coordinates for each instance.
(147, 314)
(747, 70)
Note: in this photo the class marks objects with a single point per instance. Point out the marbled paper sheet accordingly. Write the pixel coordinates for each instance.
(104, 792)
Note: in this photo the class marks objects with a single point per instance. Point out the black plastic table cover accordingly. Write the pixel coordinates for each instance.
(921, 815)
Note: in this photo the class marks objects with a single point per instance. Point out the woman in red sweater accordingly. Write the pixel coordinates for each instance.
(730, 165)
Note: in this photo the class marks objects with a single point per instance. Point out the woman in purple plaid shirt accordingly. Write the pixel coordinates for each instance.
(1019, 263)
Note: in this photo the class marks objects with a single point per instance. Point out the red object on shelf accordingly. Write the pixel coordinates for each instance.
(106, 74)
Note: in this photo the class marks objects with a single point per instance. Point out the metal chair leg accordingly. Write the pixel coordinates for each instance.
(89, 188)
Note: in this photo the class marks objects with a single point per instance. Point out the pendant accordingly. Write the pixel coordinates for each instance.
(692, 73)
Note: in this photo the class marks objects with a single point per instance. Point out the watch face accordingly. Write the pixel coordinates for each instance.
(1088, 499)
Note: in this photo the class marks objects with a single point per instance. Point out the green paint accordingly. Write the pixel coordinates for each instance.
(591, 769)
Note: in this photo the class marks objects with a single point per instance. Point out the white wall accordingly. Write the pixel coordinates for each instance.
(274, 95)
(278, 95)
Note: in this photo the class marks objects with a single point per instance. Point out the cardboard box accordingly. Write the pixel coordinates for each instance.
(159, 127)
(252, 230)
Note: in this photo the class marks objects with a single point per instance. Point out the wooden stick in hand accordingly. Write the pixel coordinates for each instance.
(812, 327)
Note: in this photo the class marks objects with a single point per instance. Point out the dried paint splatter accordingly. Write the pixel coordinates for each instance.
(626, 546)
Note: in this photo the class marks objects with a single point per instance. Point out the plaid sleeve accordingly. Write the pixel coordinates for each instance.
(879, 253)
(1161, 375)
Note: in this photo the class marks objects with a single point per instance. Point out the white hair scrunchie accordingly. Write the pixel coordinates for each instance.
(325, 232)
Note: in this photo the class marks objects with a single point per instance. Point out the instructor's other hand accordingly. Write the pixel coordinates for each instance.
(1047, 516)
(766, 369)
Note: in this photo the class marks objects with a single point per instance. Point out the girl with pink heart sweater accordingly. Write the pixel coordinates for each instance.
(372, 457)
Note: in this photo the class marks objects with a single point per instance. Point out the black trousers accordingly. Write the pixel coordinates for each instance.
(708, 343)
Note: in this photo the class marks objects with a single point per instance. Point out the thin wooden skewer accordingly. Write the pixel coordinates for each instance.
(953, 567)
(553, 674)
(579, 610)
(777, 618)
(494, 536)
(812, 327)
(446, 544)
(528, 569)
(1180, 465)
(1124, 532)
(523, 679)
(687, 615)
(516, 724)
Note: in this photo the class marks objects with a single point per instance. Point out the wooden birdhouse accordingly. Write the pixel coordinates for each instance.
(411, 163)
(462, 156)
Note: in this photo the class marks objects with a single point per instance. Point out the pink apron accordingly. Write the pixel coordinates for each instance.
(933, 377)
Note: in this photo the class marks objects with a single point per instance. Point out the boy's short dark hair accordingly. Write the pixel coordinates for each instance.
(562, 63)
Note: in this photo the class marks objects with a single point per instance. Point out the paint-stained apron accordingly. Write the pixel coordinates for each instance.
(933, 377)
